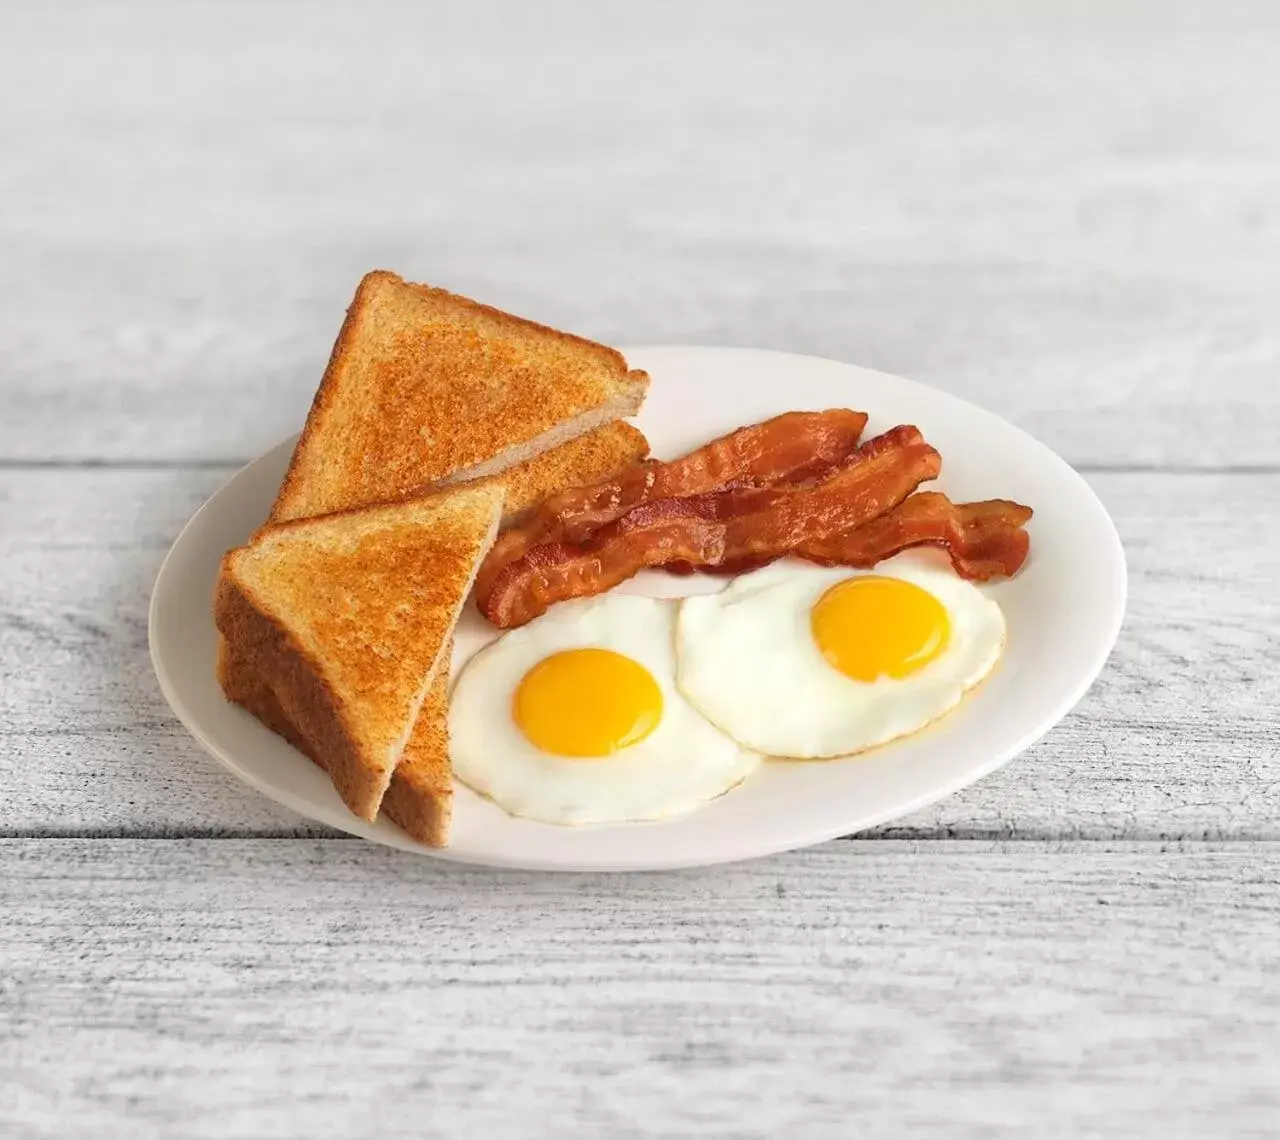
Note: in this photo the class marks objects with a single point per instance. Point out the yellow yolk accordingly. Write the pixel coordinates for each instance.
(587, 703)
(874, 627)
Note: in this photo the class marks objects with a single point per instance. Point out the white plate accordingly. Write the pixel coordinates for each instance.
(1063, 611)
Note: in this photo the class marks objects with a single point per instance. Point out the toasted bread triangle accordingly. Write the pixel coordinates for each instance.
(346, 620)
(425, 387)
(420, 795)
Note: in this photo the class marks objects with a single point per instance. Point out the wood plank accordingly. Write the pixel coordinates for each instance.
(1180, 738)
(272, 988)
(1084, 237)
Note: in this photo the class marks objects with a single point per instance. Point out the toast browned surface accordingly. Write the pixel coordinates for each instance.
(346, 619)
(420, 795)
(243, 686)
(581, 462)
(426, 387)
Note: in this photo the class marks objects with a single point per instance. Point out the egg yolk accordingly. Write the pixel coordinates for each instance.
(587, 703)
(873, 627)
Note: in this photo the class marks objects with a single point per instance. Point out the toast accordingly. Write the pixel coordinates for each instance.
(241, 685)
(581, 462)
(346, 620)
(427, 388)
(420, 795)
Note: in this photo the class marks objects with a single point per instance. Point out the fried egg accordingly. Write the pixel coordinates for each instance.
(575, 718)
(805, 661)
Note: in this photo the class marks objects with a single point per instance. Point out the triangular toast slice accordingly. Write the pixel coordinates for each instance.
(425, 388)
(420, 795)
(346, 620)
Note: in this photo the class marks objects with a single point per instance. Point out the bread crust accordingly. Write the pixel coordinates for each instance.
(586, 460)
(347, 619)
(423, 389)
(302, 696)
(420, 795)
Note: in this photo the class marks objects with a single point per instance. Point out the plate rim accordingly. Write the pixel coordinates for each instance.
(391, 836)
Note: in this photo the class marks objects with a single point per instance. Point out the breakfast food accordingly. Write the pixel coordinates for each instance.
(804, 661)
(983, 540)
(420, 795)
(241, 684)
(794, 447)
(347, 618)
(725, 528)
(608, 452)
(451, 445)
(576, 718)
(425, 388)
(387, 424)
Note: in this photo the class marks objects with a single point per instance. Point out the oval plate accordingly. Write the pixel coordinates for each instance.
(1063, 611)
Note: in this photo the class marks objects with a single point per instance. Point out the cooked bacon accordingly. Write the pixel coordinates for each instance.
(984, 540)
(709, 530)
(795, 447)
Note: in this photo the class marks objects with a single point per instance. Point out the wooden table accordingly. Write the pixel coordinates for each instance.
(1067, 213)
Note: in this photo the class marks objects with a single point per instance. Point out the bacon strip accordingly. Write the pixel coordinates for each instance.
(791, 448)
(984, 540)
(752, 523)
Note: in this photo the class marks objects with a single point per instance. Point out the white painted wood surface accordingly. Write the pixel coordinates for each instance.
(1068, 213)
(251, 989)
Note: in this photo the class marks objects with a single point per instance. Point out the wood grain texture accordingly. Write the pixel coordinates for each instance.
(1069, 215)
(1179, 738)
(192, 989)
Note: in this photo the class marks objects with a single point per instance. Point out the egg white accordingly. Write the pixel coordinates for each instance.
(680, 765)
(747, 660)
